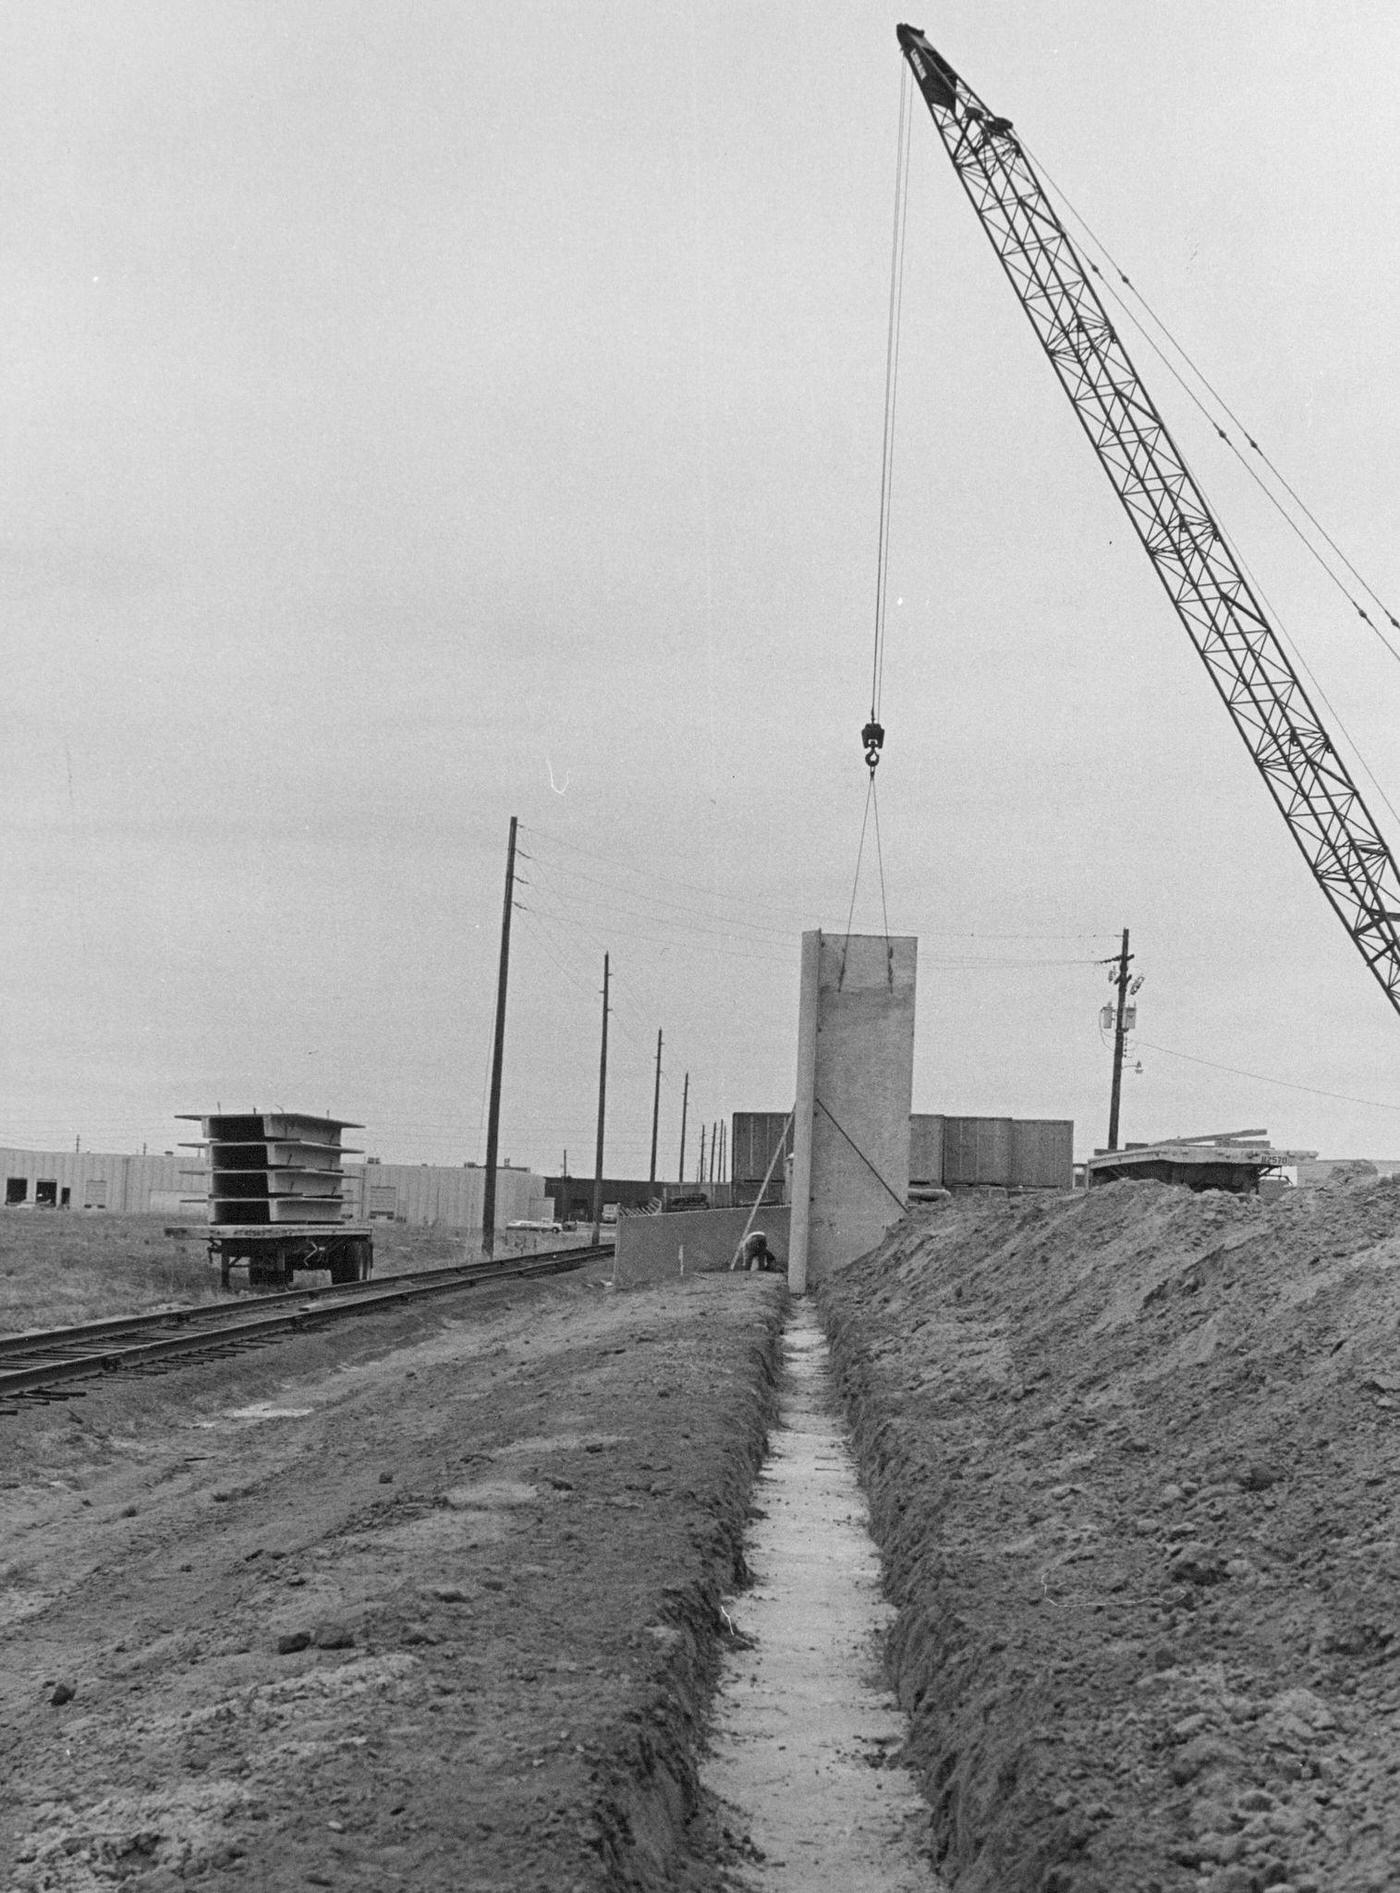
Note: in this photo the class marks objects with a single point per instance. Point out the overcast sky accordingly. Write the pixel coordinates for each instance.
(420, 414)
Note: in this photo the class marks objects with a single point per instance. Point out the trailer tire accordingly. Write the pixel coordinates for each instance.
(351, 1262)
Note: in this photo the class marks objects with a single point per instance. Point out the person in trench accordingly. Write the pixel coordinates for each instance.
(754, 1255)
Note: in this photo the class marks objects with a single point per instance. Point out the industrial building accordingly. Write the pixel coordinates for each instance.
(430, 1195)
(171, 1184)
(93, 1179)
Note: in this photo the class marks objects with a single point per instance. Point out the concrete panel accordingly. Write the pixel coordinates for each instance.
(855, 1077)
(650, 1246)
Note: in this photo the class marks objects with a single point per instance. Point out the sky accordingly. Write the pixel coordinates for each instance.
(419, 415)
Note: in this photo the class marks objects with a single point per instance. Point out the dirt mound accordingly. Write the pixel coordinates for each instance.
(1132, 1458)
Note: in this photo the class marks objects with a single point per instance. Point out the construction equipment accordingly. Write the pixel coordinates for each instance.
(1309, 782)
(1236, 1161)
(275, 1204)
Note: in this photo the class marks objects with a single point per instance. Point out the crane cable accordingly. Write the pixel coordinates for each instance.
(872, 737)
(871, 802)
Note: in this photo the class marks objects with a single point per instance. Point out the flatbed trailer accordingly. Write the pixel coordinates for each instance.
(273, 1252)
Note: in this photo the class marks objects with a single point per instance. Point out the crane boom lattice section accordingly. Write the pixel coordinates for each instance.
(1248, 665)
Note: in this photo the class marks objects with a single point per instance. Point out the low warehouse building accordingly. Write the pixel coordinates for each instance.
(170, 1184)
(95, 1179)
(439, 1196)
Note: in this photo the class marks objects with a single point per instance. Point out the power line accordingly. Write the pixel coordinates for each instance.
(802, 920)
(1287, 1084)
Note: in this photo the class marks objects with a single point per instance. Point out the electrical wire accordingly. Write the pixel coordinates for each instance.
(1287, 1084)
(801, 912)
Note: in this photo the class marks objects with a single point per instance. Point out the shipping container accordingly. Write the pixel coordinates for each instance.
(978, 1150)
(1043, 1153)
(991, 1152)
(926, 1148)
(755, 1136)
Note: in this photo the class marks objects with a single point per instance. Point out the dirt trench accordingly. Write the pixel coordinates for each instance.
(1133, 1461)
(430, 1600)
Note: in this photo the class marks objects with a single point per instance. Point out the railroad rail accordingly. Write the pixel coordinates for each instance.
(37, 1364)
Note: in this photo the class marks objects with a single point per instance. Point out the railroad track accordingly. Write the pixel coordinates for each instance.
(38, 1365)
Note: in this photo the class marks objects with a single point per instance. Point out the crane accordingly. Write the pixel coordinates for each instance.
(1309, 782)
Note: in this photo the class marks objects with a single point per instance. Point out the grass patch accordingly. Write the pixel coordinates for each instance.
(58, 1267)
(62, 1267)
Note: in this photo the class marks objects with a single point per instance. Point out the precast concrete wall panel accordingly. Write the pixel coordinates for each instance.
(696, 1240)
(855, 1077)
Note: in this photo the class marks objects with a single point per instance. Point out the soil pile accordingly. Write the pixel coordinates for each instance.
(1133, 1461)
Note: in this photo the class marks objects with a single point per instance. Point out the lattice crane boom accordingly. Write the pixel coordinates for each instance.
(1311, 785)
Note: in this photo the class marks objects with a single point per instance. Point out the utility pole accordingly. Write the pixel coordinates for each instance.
(685, 1101)
(602, 1103)
(700, 1173)
(723, 1149)
(493, 1119)
(1120, 979)
(655, 1109)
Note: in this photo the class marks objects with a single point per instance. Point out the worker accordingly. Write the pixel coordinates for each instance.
(754, 1255)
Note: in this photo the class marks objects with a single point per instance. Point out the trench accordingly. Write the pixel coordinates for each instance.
(805, 1736)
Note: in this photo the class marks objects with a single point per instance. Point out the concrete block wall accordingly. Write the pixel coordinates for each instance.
(649, 1247)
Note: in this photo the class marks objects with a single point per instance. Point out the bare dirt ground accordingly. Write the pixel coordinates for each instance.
(1133, 1461)
(427, 1600)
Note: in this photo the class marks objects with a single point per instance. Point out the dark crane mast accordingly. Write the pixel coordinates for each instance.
(1308, 780)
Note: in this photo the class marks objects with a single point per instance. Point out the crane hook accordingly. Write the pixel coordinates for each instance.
(872, 737)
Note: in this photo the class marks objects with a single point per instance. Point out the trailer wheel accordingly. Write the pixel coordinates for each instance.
(351, 1262)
